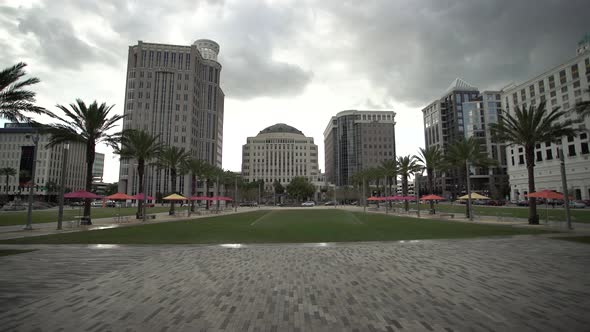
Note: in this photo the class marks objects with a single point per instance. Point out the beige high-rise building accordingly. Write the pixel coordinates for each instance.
(562, 86)
(174, 92)
(280, 152)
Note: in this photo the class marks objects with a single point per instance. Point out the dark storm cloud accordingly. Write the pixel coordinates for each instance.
(415, 49)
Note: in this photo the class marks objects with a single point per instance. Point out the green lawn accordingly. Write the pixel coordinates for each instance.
(6, 252)
(287, 226)
(555, 214)
(41, 216)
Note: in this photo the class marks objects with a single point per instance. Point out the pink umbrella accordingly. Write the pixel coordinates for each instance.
(408, 198)
(140, 197)
(119, 197)
(82, 194)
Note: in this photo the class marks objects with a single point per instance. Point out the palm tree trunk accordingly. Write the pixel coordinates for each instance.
(530, 166)
(431, 189)
(468, 178)
(173, 183)
(140, 172)
(207, 193)
(193, 189)
(405, 192)
(90, 150)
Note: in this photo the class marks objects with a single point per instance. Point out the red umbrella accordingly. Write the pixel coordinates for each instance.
(82, 194)
(119, 197)
(547, 194)
(373, 198)
(140, 197)
(432, 198)
(408, 198)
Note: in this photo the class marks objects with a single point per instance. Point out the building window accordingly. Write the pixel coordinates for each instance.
(584, 147)
(520, 159)
(571, 149)
(549, 154)
(539, 156)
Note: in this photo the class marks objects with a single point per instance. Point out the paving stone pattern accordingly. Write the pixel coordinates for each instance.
(509, 284)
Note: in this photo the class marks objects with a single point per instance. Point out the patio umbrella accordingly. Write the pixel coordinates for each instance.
(140, 197)
(221, 198)
(546, 194)
(175, 197)
(432, 198)
(200, 198)
(473, 196)
(407, 198)
(82, 194)
(373, 198)
(119, 197)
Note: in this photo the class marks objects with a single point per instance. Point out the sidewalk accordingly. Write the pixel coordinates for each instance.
(17, 231)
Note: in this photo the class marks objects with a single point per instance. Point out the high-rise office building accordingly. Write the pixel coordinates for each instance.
(355, 140)
(173, 92)
(280, 153)
(98, 166)
(16, 151)
(562, 86)
(460, 113)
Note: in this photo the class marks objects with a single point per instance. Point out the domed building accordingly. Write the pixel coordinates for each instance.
(279, 152)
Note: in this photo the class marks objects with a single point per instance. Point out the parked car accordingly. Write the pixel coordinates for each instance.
(308, 203)
(523, 203)
(96, 204)
(252, 203)
(111, 204)
(330, 203)
(577, 204)
(496, 202)
(77, 203)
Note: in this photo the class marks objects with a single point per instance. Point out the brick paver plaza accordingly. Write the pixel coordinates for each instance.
(504, 284)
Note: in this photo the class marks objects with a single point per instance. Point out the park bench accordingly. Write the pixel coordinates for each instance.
(452, 215)
(150, 216)
(121, 219)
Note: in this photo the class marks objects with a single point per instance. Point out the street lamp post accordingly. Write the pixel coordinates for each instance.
(60, 214)
(29, 226)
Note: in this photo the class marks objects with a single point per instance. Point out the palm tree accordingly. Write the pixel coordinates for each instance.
(527, 128)
(7, 172)
(197, 168)
(143, 147)
(14, 100)
(407, 166)
(464, 154)
(390, 170)
(172, 158)
(431, 159)
(90, 125)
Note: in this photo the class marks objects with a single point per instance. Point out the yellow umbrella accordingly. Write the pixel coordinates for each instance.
(473, 196)
(175, 197)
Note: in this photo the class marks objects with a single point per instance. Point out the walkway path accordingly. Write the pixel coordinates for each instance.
(523, 283)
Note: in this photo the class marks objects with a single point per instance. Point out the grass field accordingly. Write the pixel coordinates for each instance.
(283, 226)
(555, 214)
(40, 216)
(6, 252)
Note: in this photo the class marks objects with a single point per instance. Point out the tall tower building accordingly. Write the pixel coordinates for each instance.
(280, 153)
(173, 92)
(356, 140)
(460, 113)
(562, 86)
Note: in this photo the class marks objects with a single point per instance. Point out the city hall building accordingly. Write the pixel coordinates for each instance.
(280, 153)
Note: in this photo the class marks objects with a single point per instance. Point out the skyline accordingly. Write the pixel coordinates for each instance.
(295, 62)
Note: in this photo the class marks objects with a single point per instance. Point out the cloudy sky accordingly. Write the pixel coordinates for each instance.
(297, 62)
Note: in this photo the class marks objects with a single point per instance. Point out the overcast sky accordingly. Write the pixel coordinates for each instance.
(296, 62)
